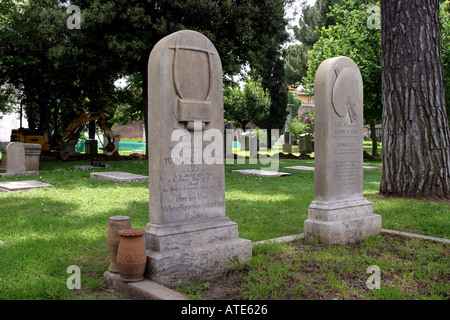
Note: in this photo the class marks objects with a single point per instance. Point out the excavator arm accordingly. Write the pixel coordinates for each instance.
(81, 119)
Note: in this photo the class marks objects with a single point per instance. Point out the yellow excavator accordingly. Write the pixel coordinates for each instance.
(42, 136)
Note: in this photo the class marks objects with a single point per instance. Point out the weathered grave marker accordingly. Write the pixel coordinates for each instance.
(22, 185)
(16, 164)
(189, 234)
(261, 173)
(118, 176)
(339, 212)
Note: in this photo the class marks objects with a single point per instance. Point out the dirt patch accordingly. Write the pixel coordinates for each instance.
(302, 156)
(409, 269)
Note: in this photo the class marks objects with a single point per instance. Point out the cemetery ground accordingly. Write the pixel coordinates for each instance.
(44, 231)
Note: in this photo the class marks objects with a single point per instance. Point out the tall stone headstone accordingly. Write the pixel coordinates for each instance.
(16, 158)
(189, 235)
(339, 212)
(16, 162)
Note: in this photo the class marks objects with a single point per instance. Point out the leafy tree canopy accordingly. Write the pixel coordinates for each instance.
(351, 37)
(251, 104)
(312, 19)
(78, 67)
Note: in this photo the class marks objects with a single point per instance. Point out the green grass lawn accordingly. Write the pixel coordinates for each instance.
(43, 232)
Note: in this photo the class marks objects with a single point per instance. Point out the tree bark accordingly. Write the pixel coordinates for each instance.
(416, 146)
(145, 98)
(373, 136)
(91, 127)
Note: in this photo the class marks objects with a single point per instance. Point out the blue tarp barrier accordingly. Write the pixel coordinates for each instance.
(123, 145)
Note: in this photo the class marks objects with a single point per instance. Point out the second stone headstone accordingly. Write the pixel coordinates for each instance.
(339, 212)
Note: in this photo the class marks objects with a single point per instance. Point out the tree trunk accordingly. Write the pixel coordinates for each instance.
(373, 136)
(145, 98)
(91, 130)
(416, 146)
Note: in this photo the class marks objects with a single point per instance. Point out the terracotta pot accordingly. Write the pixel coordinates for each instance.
(131, 256)
(116, 223)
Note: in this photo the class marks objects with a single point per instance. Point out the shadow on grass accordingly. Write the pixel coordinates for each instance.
(41, 238)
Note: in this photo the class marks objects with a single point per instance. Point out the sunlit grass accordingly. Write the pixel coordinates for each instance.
(44, 231)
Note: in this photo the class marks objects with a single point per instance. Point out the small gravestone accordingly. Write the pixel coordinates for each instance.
(93, 165)
(245, 141)
(261, 173)
(339, 212)
(287, 146)
(371, 168)
(23, 185)
(16, 165)
(312, 168)
(118, 176)
(304, 168)
(189, 235)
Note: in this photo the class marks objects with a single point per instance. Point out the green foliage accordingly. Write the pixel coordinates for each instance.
(79, 67)
(351, 37)
(294, 101)
(309, 117)
(10, 38)
(248, 105)
(312, 19)
(295, 57)
(52, 61)
(297, 127)
(131, 106)
(444, 14)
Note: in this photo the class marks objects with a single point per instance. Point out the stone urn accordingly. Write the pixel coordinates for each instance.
(131, 255)
(116, 223)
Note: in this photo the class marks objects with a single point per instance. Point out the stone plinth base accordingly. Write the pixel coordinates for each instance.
(181, 253)
(341, 222)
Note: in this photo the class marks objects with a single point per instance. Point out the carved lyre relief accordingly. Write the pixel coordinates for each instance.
(192, 76)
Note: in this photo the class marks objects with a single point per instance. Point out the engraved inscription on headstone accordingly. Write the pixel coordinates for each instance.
(189, 233)
(339, 212)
